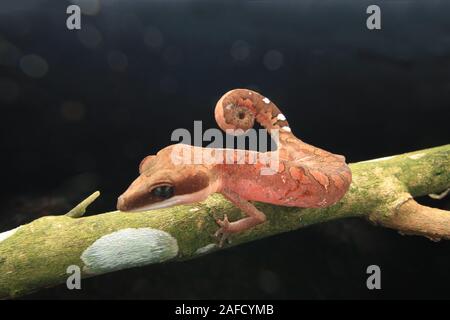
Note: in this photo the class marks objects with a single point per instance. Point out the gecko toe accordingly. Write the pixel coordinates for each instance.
(223, 233)
(222, 236)
(223, 223)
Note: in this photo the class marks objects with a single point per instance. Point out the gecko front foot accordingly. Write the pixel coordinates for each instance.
(223, 233)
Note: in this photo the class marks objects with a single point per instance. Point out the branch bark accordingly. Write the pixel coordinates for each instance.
(413, 218)
(37, 255)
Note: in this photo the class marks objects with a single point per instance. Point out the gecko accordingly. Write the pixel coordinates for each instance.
(306, 176)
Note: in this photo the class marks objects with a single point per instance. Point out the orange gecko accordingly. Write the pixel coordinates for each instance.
(305, 176)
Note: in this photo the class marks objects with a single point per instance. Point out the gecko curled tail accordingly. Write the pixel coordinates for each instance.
(307, 176)
(238, 109)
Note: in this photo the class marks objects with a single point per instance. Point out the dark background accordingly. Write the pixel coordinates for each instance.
(80, 109)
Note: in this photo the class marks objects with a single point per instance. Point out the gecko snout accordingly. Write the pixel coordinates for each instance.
(121, 203)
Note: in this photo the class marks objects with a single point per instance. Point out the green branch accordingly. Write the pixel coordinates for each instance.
(37, 255)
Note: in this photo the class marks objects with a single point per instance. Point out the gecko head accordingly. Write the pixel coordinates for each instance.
(162, 184)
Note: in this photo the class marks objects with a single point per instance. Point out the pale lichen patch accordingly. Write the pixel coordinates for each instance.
(206, 249)
(379, 159)
(129, 248)
(416, 156)
(5, 235)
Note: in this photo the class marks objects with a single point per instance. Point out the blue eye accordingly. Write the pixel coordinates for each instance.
(164, 192)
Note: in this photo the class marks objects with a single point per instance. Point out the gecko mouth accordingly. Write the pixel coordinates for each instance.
(158, 205)
(176, 200)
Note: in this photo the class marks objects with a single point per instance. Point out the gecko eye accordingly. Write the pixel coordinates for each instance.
(164, 192)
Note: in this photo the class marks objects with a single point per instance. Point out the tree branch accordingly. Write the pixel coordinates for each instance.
(37, 255)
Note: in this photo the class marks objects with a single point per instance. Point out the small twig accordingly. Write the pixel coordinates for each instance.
(79, 210)
(439, 196)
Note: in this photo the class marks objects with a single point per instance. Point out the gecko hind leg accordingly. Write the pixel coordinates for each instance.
(254, 217)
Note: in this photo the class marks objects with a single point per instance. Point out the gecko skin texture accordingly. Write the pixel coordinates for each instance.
(306, 176)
